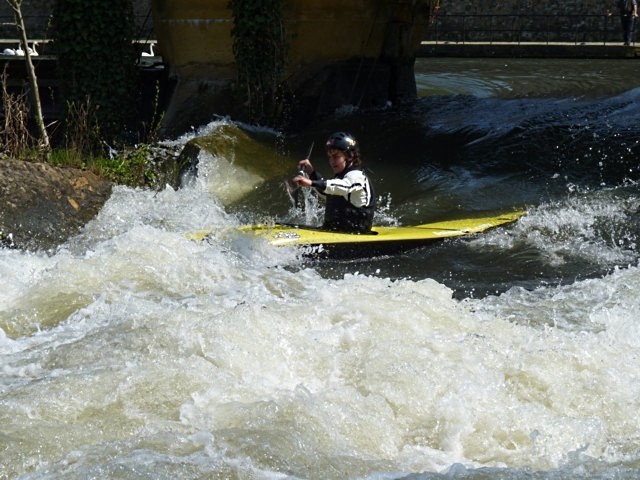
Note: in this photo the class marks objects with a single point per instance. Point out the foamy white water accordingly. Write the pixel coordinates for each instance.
(134, 352)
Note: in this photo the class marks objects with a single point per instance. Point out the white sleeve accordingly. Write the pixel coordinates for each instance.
(354, 187)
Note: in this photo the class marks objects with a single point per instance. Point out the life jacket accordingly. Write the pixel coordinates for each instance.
(342, 216)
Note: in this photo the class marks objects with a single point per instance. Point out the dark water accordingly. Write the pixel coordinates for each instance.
(558, 137)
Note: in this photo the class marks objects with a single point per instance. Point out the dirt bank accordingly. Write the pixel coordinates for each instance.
(41, 206)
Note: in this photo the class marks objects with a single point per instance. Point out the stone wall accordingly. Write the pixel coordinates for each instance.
(472, 20)
(553, 7)
(36, 15)
(526, 20)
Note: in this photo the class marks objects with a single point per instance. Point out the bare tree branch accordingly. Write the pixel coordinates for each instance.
(16, 5)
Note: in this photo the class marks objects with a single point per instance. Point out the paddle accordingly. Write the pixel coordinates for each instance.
(293, 189)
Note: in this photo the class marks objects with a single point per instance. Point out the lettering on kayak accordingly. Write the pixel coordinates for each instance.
(311, 249)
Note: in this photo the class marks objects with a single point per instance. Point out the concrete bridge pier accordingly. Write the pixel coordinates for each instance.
(341, 53)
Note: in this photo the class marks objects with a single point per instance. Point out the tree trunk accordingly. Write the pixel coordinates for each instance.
(33, 81)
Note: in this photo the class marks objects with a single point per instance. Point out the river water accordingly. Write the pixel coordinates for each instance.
(132, 352)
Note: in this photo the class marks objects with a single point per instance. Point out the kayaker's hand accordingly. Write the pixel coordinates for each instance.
(302, 181)
(305, 166)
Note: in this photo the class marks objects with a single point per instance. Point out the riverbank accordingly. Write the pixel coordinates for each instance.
(43, 205)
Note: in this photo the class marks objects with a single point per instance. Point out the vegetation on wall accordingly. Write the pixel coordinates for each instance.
(96, 60)
(260, 48)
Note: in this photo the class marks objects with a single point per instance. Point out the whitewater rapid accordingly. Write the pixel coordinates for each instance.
(134, 352)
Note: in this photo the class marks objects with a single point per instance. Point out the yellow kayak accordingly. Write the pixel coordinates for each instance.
(382, 240)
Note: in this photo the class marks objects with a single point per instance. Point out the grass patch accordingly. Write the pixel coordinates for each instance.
(133, 168)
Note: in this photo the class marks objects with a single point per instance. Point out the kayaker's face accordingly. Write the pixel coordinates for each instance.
(337, 160)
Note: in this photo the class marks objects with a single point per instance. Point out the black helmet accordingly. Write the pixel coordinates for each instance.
(343, 141)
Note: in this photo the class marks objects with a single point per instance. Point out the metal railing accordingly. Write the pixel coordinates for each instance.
(464, 28)
(520, 28)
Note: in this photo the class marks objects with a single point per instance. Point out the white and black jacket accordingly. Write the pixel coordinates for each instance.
(351, 200)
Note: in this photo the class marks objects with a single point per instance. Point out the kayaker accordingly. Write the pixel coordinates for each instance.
(350, 197)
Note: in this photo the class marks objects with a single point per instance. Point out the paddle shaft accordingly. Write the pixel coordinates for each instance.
(296, 196)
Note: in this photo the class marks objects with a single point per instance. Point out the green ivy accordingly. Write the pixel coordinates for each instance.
(96, 59)
(260, 48)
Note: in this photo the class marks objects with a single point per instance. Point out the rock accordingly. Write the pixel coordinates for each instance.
(41, 205)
